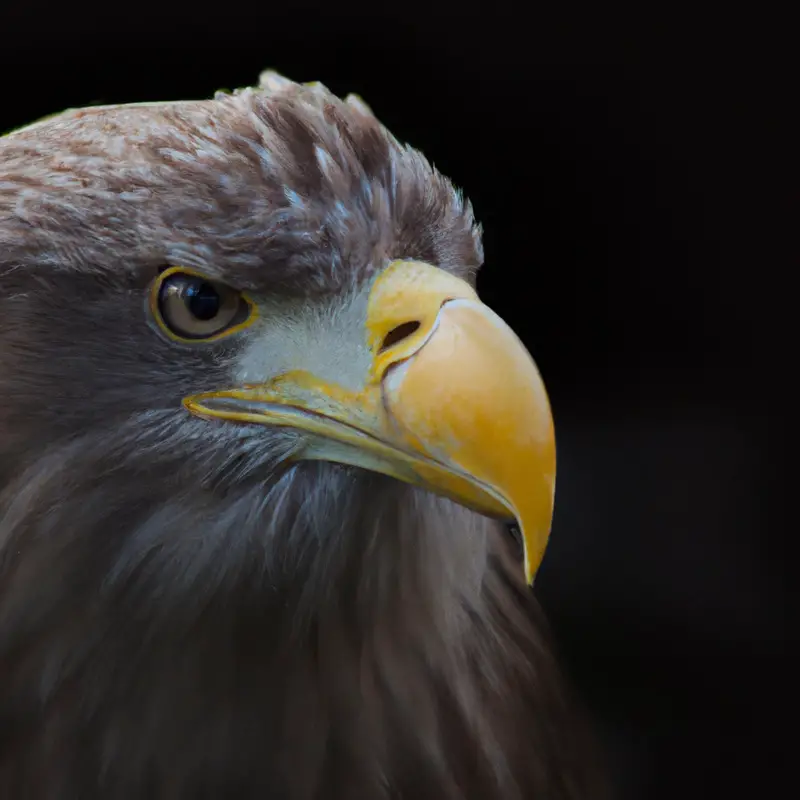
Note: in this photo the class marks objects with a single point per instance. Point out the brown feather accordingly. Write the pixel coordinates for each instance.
(184, 613)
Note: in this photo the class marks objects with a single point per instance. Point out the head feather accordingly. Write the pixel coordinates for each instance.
(184, 611)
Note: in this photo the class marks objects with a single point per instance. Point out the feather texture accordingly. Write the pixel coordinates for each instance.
(185, 613)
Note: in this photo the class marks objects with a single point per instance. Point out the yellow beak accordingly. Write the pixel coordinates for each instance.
(453, 402)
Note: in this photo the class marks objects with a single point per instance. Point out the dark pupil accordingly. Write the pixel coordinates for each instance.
(202, 300)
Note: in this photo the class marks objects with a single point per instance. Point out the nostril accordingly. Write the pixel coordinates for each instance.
(399, 333)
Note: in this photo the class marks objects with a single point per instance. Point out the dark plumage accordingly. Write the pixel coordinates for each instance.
(185, 611)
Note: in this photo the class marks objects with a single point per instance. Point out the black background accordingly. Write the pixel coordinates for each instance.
(625, 169)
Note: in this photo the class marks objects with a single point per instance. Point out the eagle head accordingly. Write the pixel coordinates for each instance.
(259, 439)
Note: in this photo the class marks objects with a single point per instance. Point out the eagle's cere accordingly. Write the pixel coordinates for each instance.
(259, 444)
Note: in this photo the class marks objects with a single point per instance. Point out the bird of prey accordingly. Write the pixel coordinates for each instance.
(260, 443)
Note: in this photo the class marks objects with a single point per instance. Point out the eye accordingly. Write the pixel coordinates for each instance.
(188, 306)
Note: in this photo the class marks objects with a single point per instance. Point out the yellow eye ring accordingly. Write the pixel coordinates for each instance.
(191, 308)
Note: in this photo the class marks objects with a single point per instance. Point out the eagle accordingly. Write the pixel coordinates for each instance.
(261, 450)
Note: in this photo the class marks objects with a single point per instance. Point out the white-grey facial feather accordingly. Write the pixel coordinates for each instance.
(327, 339)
